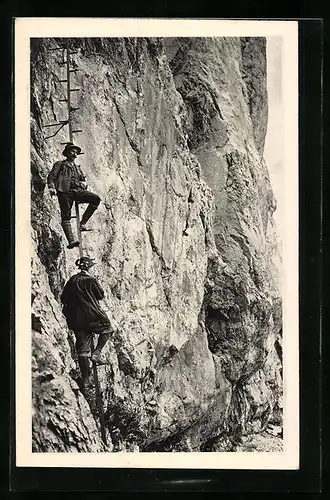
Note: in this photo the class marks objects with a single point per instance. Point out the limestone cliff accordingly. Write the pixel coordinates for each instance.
(172, 134)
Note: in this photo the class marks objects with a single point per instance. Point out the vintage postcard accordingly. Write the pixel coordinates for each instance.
(156, 197)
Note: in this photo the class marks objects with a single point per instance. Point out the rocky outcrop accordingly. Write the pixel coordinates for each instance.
(173, 132)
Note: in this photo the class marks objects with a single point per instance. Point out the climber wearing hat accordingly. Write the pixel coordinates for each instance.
(80, 297)
(67, 180)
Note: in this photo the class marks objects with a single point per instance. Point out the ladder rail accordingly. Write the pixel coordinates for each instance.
(81, 253)
(69, 121)
(99, 401)
(68, 99)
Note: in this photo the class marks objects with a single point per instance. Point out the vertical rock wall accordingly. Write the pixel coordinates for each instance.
(173, 132)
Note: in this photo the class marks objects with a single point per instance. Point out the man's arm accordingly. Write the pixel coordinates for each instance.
(53, 175)
(97, 289)
(64, 294)
(82, 178)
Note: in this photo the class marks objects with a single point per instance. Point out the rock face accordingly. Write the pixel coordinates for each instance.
(172, 134)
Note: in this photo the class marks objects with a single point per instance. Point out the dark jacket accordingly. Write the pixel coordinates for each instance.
(65, 176)
(80, 298)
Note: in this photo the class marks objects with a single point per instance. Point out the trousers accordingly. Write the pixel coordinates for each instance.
(84, 338)
(82, 196)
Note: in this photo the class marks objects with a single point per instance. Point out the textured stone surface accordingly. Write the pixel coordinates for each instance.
(172, 139)
(228, 90)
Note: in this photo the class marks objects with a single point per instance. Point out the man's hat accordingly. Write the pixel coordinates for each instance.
(69, 146)
(85, 262)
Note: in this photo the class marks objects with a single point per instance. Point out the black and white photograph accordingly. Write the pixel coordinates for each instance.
(156, 244)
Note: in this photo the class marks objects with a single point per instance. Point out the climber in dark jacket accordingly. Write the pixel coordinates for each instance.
(67, 180)
(80, 298)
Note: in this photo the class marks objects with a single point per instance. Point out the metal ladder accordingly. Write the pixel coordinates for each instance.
(66, 62)
(66, 53)
(60, 124)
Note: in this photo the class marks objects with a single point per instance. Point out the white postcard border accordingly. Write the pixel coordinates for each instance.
(26, 28)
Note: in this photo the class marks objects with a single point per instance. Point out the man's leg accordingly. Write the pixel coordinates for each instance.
(83, 361)
(93, 200)
(104, 334)
(83, 347)
(66, 200)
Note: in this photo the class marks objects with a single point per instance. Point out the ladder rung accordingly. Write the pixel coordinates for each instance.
(76, 69)
(62, 63)
(52, 124)
(64, 121)
(74, 109)
(73, 52)
(74, 90)
(63, 80)
(75, 131)
(62, 100)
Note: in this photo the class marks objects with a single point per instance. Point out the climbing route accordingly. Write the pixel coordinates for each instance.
(68, 181)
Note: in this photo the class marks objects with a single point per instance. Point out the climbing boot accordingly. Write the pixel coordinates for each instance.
(86, 216)
(69, 235)
(96, 358)
(96, 355)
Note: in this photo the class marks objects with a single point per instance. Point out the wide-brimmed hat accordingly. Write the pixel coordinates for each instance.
(69, 146)
(85, 262)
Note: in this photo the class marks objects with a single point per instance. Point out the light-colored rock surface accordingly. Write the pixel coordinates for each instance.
(171, 146)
